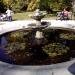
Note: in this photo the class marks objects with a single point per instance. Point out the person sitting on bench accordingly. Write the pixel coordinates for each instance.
(64, 14)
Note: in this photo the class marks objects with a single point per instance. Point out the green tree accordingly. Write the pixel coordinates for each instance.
(8, 3)
(66, 4)
(55, 4)
(16, 5)
(29, 5)
(34, 4)
(2, 6)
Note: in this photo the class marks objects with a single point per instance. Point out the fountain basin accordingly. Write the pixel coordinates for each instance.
(65, 68)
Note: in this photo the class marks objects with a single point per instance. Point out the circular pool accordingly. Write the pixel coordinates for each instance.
(20, 53)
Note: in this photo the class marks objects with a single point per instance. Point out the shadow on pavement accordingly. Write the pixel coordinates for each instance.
(71, 69)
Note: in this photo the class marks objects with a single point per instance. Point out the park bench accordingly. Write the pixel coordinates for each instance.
(58, 15)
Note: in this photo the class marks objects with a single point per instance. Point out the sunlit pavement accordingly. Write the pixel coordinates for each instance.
(22, 24)
(66, 68)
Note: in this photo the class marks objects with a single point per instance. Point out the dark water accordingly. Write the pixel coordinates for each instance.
(38, 53)
(4, 57)
(3, 54)
(3, 41)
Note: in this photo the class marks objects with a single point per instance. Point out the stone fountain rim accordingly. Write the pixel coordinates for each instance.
(62, 28)
(39, 67)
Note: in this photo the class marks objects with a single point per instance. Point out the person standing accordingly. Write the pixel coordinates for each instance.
(9, 14)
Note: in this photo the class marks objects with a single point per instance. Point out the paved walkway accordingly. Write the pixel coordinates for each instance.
(22, 24)
(66, 68)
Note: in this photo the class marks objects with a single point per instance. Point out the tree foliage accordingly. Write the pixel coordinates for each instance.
(34, 4)
(19, 5)
(2, 6)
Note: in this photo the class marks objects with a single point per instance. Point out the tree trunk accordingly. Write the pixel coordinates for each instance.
(73, 5)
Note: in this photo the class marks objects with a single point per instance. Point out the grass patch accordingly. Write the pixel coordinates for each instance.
(25, 15)
(21, 16)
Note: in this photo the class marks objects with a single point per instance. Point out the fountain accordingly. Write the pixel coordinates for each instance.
(19, 43)
(38, 26)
